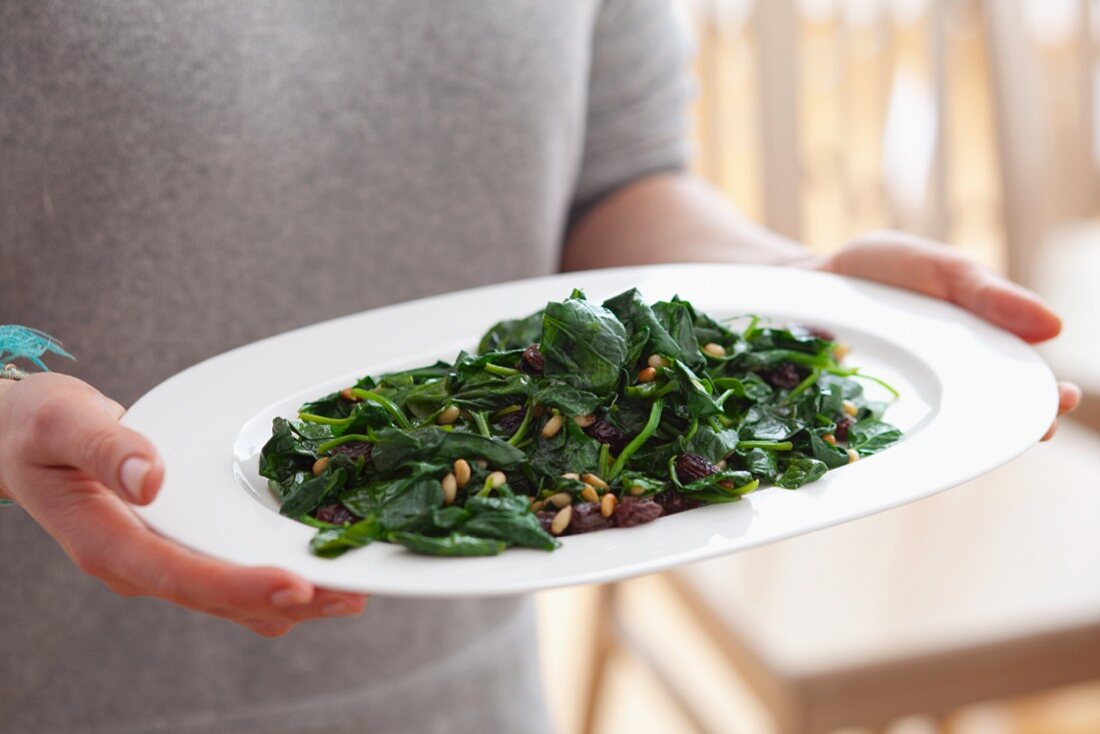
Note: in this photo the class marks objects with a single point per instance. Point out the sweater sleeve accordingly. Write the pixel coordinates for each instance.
(638, 94)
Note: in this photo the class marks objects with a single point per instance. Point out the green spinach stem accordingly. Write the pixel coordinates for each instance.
(497, 369)
(329, 445)
(803, 386)
(389, 406)
(323, 420)
(522, 429)
(482, 423)
(767, 445)
(639, 440)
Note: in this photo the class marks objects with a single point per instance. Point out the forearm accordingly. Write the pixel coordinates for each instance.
(672, 218)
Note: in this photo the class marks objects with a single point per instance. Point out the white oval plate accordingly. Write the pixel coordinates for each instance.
(973, 397)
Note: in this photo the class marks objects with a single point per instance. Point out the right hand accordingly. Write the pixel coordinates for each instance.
(65, 459)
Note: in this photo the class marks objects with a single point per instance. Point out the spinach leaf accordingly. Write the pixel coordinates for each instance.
(515, 528)
(678, 319)
(395, 448)
(801, 471)
(870, 436)
(571, 450)
(333, 542)
(512, 334)
(584, 345)
(455, 544)
(830, 455)
(713, 445)
(566, 398)
(418, 497)
(308, 495)
(638, 317)
(284, 454)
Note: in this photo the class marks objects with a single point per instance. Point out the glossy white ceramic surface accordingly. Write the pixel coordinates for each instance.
(973, 397)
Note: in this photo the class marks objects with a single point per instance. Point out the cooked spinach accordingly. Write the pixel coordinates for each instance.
(660, 406)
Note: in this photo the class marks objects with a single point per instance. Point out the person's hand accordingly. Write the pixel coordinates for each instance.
(65, 459)
(938, 271)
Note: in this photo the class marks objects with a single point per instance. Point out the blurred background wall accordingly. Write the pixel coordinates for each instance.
(974, 122)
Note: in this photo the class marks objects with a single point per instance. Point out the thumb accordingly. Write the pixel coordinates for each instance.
(79, 428)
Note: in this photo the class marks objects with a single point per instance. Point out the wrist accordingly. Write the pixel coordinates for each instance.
(5, 387)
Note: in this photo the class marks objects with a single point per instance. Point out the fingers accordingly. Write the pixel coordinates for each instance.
(935, 270)
(1002, 303)
(1069, 397)
(107, 541)
(73, 425)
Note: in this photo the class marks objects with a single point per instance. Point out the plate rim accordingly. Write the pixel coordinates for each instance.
(153, 516)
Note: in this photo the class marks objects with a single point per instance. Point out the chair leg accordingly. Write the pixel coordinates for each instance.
(602, 647)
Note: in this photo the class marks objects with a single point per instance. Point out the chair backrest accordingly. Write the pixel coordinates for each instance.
(1045, 78)
(962, 120)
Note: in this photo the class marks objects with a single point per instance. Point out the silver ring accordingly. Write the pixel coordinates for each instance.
(11, 372)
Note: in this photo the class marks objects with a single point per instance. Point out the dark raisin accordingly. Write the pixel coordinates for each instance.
(819, 332)
(510, 422)
(355, 449)
(586, 518)
(633, 511)
(673, 501)
(784, 376)
(842, 426)
(532, 360)
(545, 518)
(690, 467)
(604, 432)
(334, 513)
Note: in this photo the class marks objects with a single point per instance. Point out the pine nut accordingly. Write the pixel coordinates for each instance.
(319, 465)
(571, 475)
(829, 439)
(715, 350)
(853, 456)
(347, 394)
(593, 480)
(584, 421)
(850, 408)
(561, 499)
(840, 351)
(482, 463)
(553, 425)
(656, 360)
(607, 505)
(450, 488)
(722, 465)
(561, 520)
(647, 375)
(537, 505)
(637, 490)
(448, 416)
(588, 494)
(498, 478)
(462, 472)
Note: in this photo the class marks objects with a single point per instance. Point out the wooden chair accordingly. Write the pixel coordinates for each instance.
(978, 594)
(1050, 151)
(987, 591)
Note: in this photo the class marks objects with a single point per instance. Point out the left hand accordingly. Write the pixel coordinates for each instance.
(936, 270)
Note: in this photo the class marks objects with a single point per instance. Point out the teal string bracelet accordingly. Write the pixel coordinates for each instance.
(23, 342)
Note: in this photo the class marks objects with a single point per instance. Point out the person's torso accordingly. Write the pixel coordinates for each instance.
(177, 179)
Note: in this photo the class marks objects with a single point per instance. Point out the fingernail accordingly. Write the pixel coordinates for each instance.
(133, 473)
(291, 596)
(336, 608)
